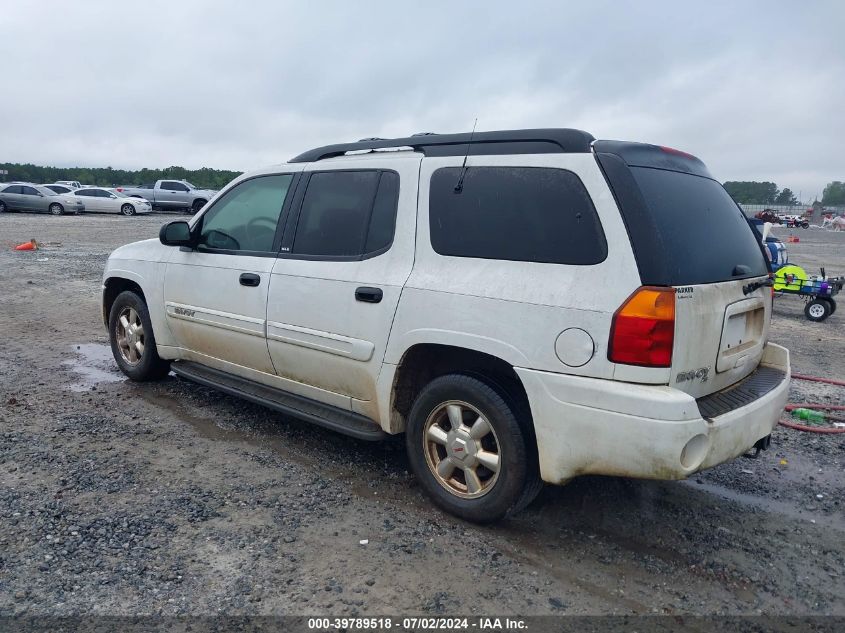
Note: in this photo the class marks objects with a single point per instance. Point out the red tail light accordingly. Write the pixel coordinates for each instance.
(643, 329)
(120, 189)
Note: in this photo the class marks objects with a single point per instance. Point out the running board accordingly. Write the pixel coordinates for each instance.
(306, 409)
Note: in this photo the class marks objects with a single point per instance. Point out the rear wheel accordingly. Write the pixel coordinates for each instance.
(132, 340)
(832, 303)
(127, 209)
(56, 209)
(818, 310)
(468, 450)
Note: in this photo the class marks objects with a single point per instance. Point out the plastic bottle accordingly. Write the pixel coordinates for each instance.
(808, 414)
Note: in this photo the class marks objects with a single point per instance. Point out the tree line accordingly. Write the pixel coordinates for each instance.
(753, 192)
(108, 177)
(744, 192)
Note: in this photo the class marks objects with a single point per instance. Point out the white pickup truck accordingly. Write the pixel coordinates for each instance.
(171, 194)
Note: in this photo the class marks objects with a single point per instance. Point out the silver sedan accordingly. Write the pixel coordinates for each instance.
(102, 200)
(23, 197)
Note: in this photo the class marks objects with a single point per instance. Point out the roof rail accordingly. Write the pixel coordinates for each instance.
(539, 141)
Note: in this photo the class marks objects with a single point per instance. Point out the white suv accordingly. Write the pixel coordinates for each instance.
(526, 306)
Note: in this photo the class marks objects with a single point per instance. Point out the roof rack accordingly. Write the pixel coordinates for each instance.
(540, 141)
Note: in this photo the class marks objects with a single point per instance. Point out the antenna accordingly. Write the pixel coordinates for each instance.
(459, 186)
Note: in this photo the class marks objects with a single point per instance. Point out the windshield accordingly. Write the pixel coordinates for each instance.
(186, 183)
(45, 191)
(705, 238)
(119, 194)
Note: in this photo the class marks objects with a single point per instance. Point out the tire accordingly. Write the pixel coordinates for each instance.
(127, 209)
(139, 365)
(2, 207)
(489, 494)
(818, 310)
(56, 209)
(832, 303)
(197, 205)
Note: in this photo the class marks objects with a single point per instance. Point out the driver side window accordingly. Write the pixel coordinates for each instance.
(246, 217)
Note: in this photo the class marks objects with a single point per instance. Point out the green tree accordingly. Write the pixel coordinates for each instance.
(786, 197)
(834, 194)
(752, 192)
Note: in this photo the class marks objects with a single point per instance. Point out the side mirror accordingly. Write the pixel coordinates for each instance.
(176, 233)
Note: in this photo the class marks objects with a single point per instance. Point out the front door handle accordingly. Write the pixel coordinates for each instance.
(250, 279)
(368, 294)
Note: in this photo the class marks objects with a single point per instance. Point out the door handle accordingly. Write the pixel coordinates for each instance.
(249, 279)
(368, 294)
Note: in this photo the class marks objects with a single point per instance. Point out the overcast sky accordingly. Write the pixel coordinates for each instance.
(756, 89)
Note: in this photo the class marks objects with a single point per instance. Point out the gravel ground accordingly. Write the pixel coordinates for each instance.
(169, 498)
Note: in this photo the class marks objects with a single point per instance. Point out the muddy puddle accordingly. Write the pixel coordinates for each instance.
(92, 365)
(768, 504)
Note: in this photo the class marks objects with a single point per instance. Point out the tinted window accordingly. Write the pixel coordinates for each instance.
(703, 234)
(85, 192)
(29, 191)
(245, 218)
(173, 186)
(383, 219)
(336, 213)
(529, 214)
(12, 189)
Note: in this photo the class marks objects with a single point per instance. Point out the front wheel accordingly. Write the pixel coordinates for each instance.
(818, 310)
(127, 209)
(56, 209)
(132, 340)
(468, 450)
(197, 205)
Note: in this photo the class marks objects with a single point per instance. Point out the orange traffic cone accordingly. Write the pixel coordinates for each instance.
(31, 245)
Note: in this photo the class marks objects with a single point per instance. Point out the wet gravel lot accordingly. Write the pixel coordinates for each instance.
(170, 498)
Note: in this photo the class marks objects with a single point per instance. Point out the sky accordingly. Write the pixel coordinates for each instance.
(755, 89)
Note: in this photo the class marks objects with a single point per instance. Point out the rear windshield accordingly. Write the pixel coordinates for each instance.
(684, 228)
(705, 236)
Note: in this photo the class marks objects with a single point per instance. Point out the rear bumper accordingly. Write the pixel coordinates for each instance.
(604, 427)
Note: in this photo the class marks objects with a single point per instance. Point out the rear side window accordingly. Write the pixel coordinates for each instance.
(704, 237)
(173, 186)
(347, 214)
(529, 214)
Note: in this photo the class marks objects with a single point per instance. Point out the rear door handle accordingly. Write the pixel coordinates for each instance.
(368, 294)
(249, 279)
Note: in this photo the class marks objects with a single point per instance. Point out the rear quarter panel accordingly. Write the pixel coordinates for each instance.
(516, 310)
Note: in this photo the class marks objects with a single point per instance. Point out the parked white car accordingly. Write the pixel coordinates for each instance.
(101, 200)
(526, 306)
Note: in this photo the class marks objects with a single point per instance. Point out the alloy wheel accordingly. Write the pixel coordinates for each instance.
(461, 449)
(129, 331)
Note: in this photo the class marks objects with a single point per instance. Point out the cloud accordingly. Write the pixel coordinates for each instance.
(754, 88)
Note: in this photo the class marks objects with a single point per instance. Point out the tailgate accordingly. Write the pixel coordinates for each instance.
(720, 333)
